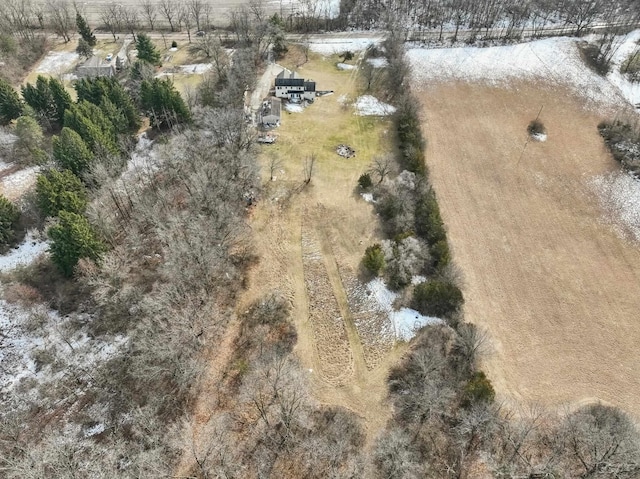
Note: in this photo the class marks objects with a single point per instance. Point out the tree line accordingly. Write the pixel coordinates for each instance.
(491, 18)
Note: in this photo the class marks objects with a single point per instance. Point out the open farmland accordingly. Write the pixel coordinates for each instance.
(547, 275)
(218, 10)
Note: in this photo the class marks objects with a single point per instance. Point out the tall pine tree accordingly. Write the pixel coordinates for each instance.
(73, 238)
(147, 51)
(84, 31)
(97, 90)
(162, 103)
(49, 100)
(10, 103)
(71, 152)
(60, 191)
(93, 126)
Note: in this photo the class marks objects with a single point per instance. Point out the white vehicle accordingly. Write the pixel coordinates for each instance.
(109, 57)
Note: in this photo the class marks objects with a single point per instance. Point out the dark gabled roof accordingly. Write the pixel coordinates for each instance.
(309, 86)
(289, 81)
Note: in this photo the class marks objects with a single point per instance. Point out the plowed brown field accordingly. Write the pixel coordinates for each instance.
(557, 289)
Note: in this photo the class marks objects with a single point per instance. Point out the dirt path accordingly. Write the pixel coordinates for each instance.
(558, 289)
(217, 361)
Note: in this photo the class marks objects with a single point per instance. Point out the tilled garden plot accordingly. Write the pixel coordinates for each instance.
(330, 336)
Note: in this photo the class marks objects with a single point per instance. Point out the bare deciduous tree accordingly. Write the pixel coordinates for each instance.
(61, 18)
(149, 12)
(112, 18)
(170, 10)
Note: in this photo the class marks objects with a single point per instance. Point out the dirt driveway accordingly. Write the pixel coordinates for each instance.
(558, 289)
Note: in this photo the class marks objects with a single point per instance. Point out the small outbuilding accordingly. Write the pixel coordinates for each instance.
(95, 67)
(269, 116)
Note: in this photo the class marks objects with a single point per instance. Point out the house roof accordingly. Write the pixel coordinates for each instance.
(289, 78)
(93, 62)
(276, 105)
(272, 106)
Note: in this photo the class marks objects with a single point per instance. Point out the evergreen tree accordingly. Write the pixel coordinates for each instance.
(60, 191)
(40, 98)
(49, 100)
(84, 31)
(96, 90)
(437, 298)
(73, 238)
(9, 216)
(162, 103)
(28, 147)
(61, 99)
(10, 103)
(94, 128)
(71, 152)
(84, 49)
(147, 51)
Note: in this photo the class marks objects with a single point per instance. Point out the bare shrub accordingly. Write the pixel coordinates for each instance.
(601, 441)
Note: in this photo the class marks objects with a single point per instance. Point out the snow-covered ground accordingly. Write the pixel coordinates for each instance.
(196, 68)
(619, 194)
(31, 247)
(57, 62)
(368, 105)
(293, 108)
(630, 90)
(340, 45)
(405, 321)
(37, 343)
(12, 186)
(555, 60)
(377, 62)
(345, 66)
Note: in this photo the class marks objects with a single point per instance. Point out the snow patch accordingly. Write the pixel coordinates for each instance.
(57, 62)
(337, 46)
(196, 68)
(95, 430)
(630, 90)
(406, 321)
(539, 136)
(293, 108)
(345, 66)
(554, 59)
(15, 184)
(619, 195)
(368, 105)
(377, 62)
(25, 253)
(37, 343)
(368, 197)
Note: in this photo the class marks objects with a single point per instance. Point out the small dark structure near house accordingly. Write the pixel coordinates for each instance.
(95, 67)
(294, 88)
(269, 115)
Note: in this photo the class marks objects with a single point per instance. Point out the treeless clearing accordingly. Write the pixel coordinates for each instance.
(557, 289)
(318, 233)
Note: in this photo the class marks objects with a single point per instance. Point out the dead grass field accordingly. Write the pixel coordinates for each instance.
(311, 240)
(557, 289)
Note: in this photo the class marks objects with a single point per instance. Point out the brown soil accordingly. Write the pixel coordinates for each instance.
(557, 289)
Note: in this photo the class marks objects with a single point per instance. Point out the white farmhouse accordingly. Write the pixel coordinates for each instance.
(291, 86)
